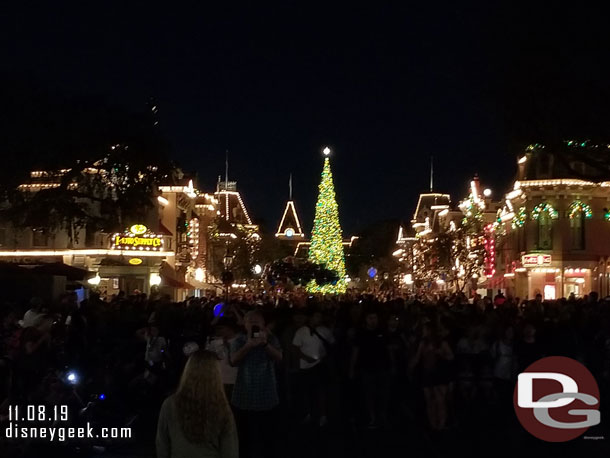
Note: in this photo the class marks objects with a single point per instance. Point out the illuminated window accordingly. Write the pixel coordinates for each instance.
(89, 236)
(549, 292)
(39, 238)
(545, 231)
(577, 230)
(521, 238)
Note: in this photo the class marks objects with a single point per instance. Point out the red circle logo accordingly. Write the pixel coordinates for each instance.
(556, 399)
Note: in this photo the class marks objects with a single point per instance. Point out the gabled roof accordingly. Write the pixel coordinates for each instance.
(289, 225)
(232, 207)
(428, 203)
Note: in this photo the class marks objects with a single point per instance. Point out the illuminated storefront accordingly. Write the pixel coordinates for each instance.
(553, 231)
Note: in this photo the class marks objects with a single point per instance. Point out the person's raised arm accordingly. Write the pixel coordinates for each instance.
(274, 352)
(238, 356)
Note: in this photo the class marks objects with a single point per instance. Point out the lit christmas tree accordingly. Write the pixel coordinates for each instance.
(326, 239)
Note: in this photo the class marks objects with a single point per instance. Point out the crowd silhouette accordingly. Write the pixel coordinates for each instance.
(296, 367)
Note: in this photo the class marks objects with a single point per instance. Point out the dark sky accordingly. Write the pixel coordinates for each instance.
(385, 87)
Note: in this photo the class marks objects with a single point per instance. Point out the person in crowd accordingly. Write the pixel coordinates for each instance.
(35, 313)
(76, 337)
(196, 421)
(470, 354)
(528, 349)
(433, 353)
(255, 394)
(499, 299)
(397, 344)
(504, 367)
(313, 342)
(372, 359)
(8, 328)
(32, 358)
(368, 348)
(220, 344)
(291, 359)
(156, 359)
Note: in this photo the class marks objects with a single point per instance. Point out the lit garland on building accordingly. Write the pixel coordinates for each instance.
(534, 146)
(193, 235)
(489, 260)
(520, 218)
(326, 247)
(544, 207)
(472, 207)
(578, 207)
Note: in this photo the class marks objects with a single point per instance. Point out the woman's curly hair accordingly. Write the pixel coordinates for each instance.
(201, 405)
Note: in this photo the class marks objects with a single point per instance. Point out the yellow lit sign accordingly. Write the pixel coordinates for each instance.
(138, 229)
(135, 239)
(135, 261)
(125, 241)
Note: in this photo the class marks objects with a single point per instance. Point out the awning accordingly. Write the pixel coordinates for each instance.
(9, 267)
(63, 270)
(493, 283)
(174, 283)
(163, 230)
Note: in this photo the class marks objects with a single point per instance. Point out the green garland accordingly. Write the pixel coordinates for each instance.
(579, 206)
(544, 207)
(520, 218)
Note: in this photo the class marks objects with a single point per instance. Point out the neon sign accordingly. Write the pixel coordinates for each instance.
(137, 237)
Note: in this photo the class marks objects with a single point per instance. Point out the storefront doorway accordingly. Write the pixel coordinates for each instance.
(130, 284)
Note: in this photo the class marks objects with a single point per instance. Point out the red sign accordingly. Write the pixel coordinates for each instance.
(534, 260)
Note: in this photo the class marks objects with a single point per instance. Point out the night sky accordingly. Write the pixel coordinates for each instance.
(384, 87)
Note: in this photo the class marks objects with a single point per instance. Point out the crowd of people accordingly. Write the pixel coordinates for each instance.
(212, 376)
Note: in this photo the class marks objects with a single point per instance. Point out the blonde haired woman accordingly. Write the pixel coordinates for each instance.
(197, 421)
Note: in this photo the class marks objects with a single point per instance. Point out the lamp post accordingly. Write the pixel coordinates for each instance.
(227, 275)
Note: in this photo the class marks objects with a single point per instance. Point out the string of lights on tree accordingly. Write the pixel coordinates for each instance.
(326, 247)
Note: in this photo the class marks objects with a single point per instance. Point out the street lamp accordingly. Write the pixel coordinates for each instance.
(228, 260)
(227, 275)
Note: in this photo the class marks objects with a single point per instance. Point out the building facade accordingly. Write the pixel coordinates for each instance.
(553, 230)
(449, 247)
(172, 248)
